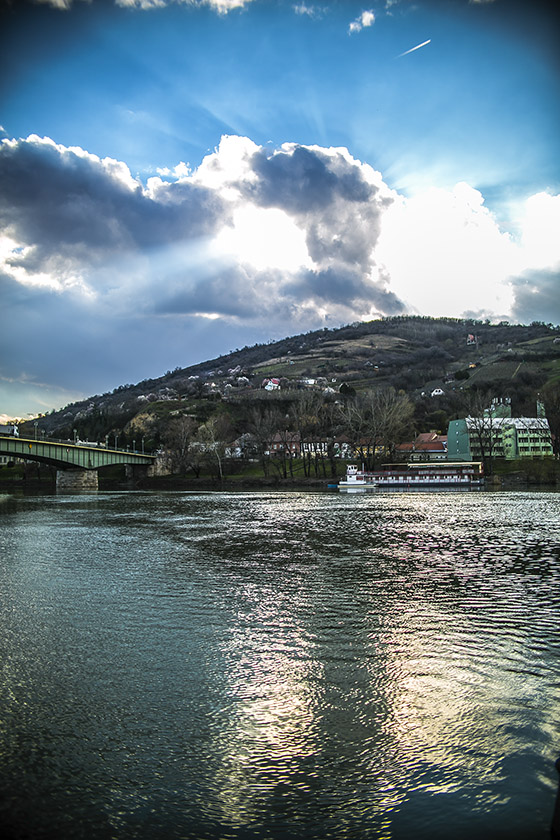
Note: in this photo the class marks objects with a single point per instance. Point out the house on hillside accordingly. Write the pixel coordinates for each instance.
(314, 448)
(285, 443)
(427, 446)
(271, 384)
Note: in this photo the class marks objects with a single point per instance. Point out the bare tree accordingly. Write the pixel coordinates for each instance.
(177, 441)
(551, 399)
(213, 435)
(375, 421)
(305, 414)
(482, 425)
(262, 425)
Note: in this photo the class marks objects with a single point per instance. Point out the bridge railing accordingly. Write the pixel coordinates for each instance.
(84, 444)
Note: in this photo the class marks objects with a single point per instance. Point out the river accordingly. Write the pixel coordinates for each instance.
(242, 666)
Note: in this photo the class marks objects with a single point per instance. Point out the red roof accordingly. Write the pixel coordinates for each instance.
(431, 446)
(425, 442)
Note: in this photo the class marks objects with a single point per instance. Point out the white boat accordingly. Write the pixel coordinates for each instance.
(421, 474)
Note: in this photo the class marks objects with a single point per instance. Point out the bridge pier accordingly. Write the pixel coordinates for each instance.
(76, 481)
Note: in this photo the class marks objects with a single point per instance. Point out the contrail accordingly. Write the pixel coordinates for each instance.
(423, 44)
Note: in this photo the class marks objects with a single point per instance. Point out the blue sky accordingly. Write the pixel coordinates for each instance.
(178, 179)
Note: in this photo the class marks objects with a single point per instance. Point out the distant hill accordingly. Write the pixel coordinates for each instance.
(411, 353)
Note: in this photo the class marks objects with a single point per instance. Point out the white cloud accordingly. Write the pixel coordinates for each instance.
(309, 11)
(446, 254)
(181, 170)
(222, 7)
(536, 282)
(142, 4)
(540, 225)
(230, 164)
(63, 5)
(363, 21)
(264, 238)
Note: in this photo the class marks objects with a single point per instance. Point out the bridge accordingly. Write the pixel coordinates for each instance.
(76, 463)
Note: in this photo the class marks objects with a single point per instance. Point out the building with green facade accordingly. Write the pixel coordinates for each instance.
(474, 438)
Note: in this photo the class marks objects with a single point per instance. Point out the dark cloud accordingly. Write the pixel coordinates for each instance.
(229, 292)
(537, 296)
(67, 202)
(297, 182)
(74, 215)
(344, 287)
(301, 180)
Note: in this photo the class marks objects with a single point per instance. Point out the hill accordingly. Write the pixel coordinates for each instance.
(417, 355)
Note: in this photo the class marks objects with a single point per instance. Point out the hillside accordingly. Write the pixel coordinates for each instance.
(414, 354)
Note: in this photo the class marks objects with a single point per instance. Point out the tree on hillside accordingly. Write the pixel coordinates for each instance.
(316, 419)
(375, 422)
(305, 417)
(330, 428)
(213, 435)
(263, 422)
(482, 425)
(177, 441)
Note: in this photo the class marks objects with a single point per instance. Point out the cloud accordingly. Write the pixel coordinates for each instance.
(363, 21)
(222, 7)
(310, 11)
(536, 286)
(67, 212)
(537, 295)
(62, 5)
(445, 251)
(540, 223)
(313, 212)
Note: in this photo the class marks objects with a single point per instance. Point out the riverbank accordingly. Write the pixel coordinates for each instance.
(507, 475)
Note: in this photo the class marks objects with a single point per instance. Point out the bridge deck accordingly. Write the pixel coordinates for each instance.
(66, 455)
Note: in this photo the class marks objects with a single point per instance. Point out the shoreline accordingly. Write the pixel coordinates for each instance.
(514, 481)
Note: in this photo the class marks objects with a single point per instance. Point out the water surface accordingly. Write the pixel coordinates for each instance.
(280, 665)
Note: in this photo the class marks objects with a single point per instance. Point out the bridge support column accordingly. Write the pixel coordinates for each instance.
(76, 481)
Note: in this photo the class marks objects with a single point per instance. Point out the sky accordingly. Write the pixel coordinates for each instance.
(181, 178)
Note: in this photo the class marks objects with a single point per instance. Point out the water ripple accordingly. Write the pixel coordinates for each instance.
(246, 665)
